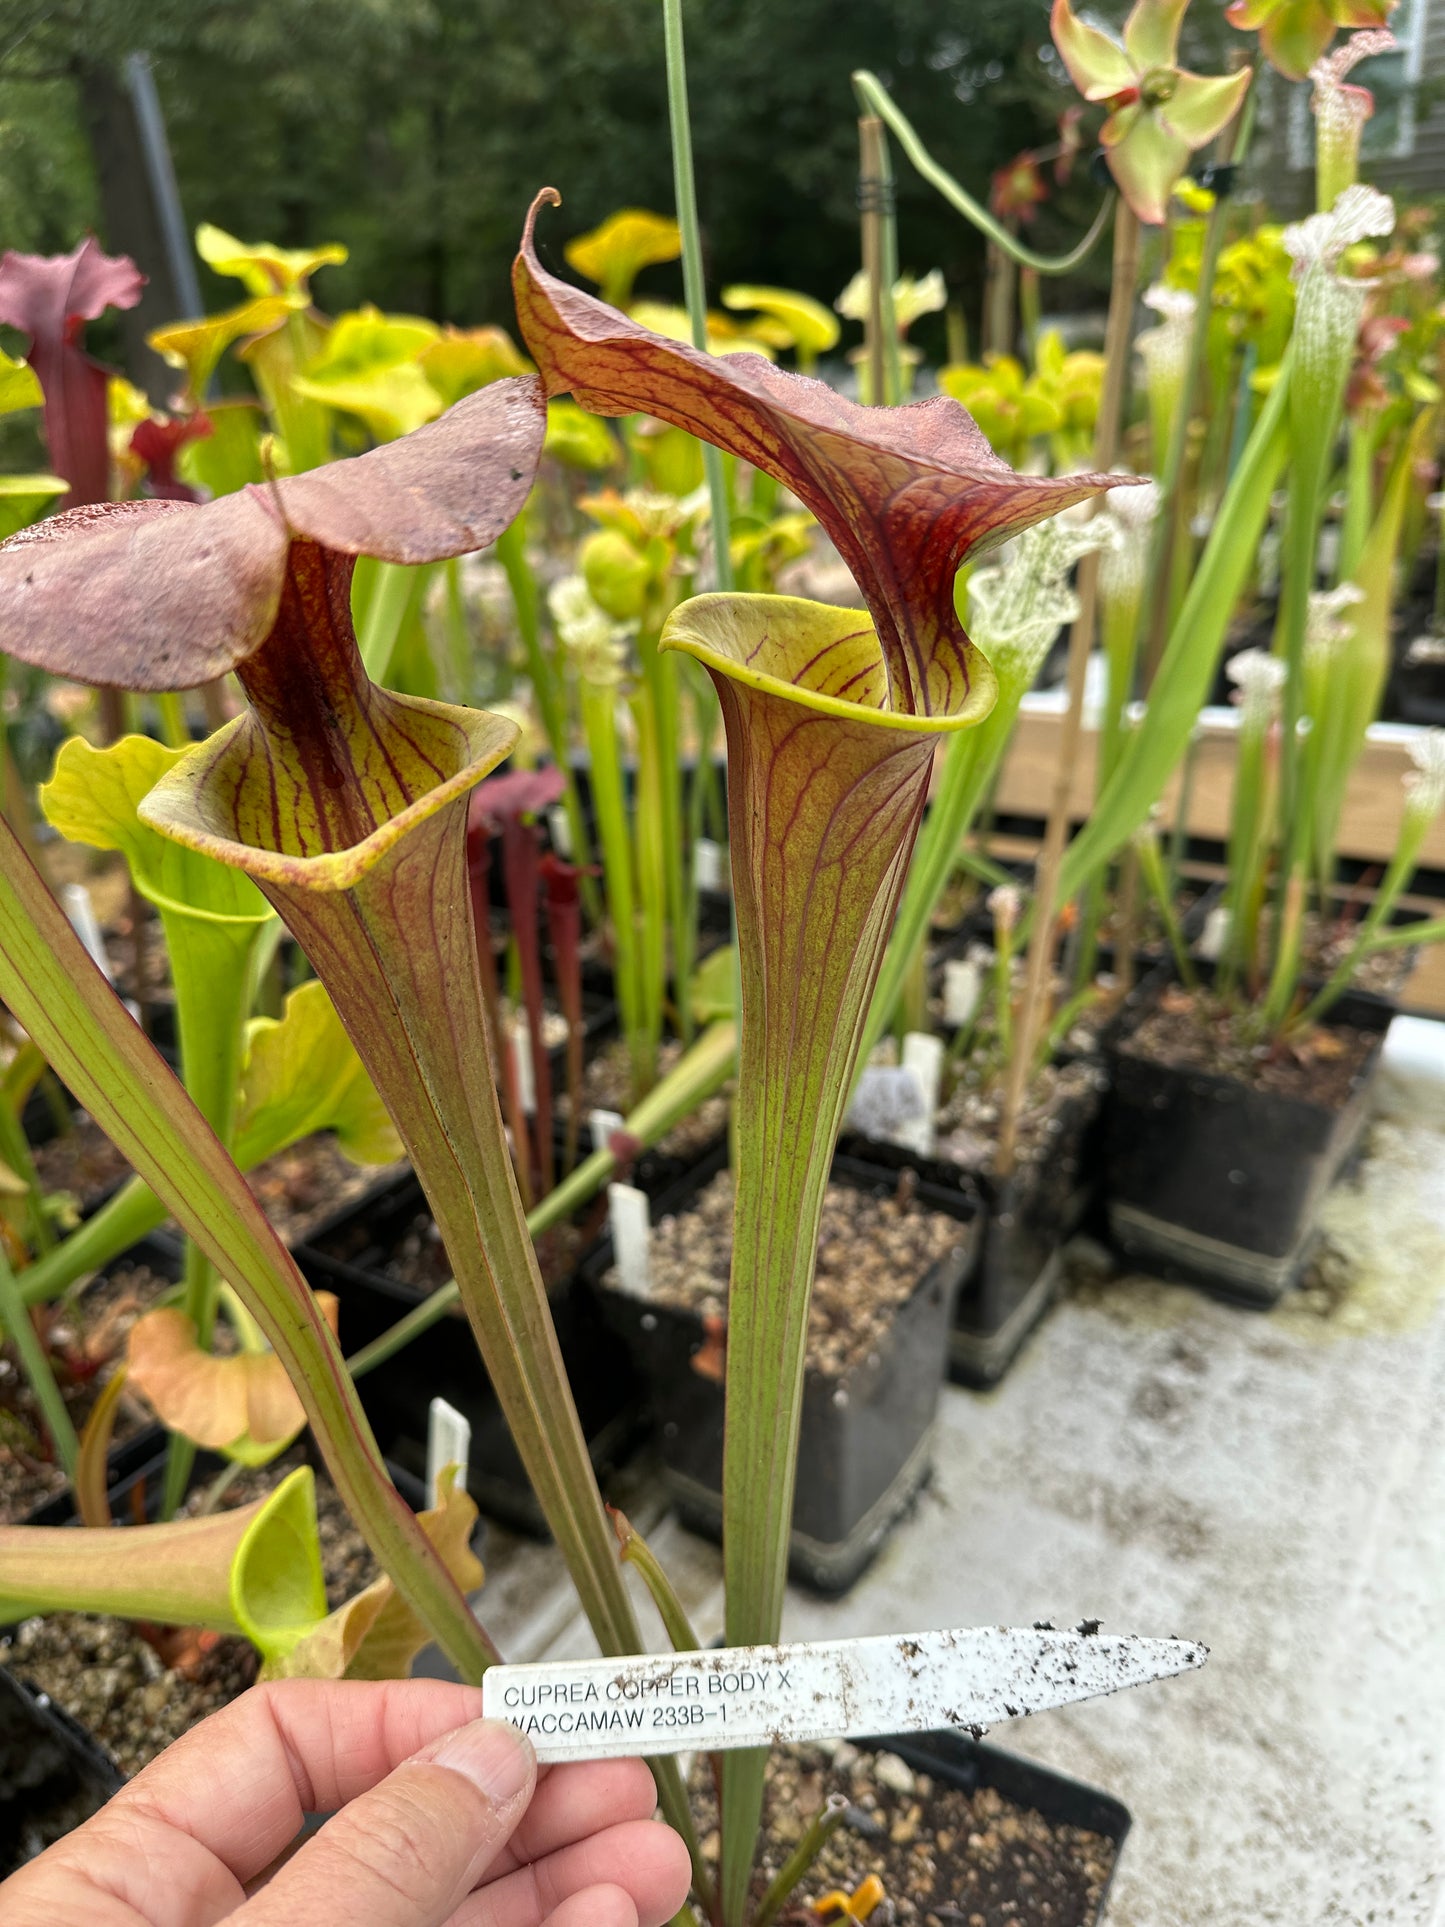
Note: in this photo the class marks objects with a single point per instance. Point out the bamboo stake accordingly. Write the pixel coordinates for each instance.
(870, 210)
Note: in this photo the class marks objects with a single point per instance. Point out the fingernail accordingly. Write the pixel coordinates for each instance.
(491, 1754)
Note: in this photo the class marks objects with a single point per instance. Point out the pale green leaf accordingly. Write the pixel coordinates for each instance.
(302, 1075)
(24, 497)
(93, 797)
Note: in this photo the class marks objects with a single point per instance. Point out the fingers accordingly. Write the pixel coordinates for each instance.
(242, 1781)
(598, 1907)
(176, 1847)
(574, 1801)
(409, 1850)
(642, 1858)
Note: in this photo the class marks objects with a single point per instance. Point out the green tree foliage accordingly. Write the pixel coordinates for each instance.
(417, 130)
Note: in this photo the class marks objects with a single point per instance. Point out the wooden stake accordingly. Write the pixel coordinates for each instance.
(871, 189)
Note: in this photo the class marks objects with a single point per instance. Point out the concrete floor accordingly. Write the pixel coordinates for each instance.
(1273, 1485)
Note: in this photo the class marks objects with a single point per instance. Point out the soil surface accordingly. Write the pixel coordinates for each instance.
(1192, 1030)
(606, 1086)
(137, 1694)
(302, 1186)
(872, 1252)
(1060, 1096)
(81, 1162)
(418, 1257)
(1385, 973)
(945, 1858)
(84, 1338)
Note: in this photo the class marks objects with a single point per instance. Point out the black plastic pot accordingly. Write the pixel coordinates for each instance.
(1216, 1184)
(347, 1255)
(865, 1445)
(53, 1776)
(960, 1761)
(1017, 1267)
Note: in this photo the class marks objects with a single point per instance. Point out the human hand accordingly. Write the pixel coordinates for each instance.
(441, 1820)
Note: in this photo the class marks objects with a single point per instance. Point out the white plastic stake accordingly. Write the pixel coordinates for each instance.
(75, 900)
(602, 1124)
(631, 1227)
(962, 987)
(76, 903)
(448, 1442)
(707, 865)
(560, 831)
(923, 1055)
(1215, 934)
(522, 1058)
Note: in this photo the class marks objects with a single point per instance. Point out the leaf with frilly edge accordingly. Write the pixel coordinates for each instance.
(241, 1404)
(262, 268)
(92, 798)
(375, 1635)
(197, 346)
(907, 494)
(302, 1075)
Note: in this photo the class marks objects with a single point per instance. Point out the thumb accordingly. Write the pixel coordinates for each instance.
(409, 1851)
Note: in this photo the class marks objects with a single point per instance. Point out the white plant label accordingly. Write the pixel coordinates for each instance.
(707, 865)
(448, 1442)
(560, 831)
(826, 1689)
(522, 1059)
(602, 1124)
(923, 1058)
(631, 1226)
(1215, 934)
(962, 987)
(75, 901)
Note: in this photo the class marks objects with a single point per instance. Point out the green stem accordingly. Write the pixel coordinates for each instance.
(171, 709)
(1367, 938)
(211, 968)
(398, 590)
(693, 281)
(648, 833)
(36, 1367)
(970, 763)
(1248, 842)
(636, 1552)
(614, 838)
(661, 673)
(58, 994)
(511, 552)
(1151, 867)
(15, 1152)
(821, 1827)
(874, 98)
(1187, 665)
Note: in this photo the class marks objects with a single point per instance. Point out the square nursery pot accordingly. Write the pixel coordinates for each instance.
(956, 1759)
(349, 1255)
(1025, 1221)
(53, 1775)
(1213, 1183)
(865, 1443)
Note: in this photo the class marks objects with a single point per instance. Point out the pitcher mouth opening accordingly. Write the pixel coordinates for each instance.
(185, 806)
(681, 633)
